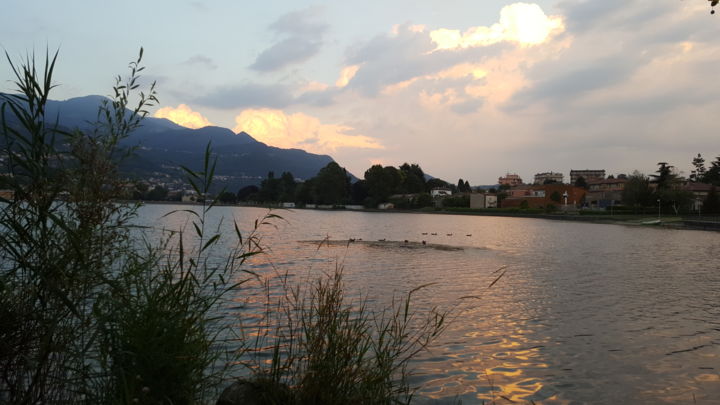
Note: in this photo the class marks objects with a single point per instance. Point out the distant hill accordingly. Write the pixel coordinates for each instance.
(162, 146)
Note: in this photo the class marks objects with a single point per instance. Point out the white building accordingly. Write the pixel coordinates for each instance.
(440, 192)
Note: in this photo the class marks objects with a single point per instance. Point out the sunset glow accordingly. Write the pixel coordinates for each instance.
(523, 23)
(298, 130)
(183, 115)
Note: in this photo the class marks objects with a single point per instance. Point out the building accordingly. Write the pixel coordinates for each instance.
(604, 193)
(481, 200)
(510, 180)
(541, 178)
(440, 192)
(700, 192)
(547, 195)
(586, 174)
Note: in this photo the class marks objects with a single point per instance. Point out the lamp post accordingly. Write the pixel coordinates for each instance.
(658, 208)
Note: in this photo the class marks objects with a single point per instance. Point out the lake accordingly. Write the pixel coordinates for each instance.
(586, 313)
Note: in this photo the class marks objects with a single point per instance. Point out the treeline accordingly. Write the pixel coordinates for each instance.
(405, 186)
(667, 189)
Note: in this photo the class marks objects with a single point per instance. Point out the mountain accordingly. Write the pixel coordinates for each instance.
(162, 146)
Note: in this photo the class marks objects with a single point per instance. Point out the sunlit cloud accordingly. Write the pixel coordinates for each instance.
(183, 115)
(298, 130)
(346, 75)
(523, 23)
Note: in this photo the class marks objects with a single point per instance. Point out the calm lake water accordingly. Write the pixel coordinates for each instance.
(586, 313)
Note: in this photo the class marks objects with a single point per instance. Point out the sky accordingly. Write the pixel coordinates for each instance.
(466, 89)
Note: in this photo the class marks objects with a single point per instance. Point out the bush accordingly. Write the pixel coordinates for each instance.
(335, 351)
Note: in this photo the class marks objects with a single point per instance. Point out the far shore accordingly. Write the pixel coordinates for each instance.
(667, 222)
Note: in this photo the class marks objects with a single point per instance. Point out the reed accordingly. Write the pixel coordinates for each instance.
(94, 311)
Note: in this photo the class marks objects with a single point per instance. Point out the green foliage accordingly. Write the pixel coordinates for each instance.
(87, 315)
(332, 185)
(382, 182)
(711, 205)
(555, 196)
(665, 178)
(435, 183)
(247, 193)
(459, 201)
(637, 192)
(60, 254)
(713, 173)
(227, 197)
(413, 179)
(332, 350)
(158, 193)
(699, 171)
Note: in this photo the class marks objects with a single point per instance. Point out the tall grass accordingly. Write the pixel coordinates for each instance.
(318, 346)
(94, 311)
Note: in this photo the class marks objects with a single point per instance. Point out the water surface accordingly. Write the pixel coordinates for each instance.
(586, 313)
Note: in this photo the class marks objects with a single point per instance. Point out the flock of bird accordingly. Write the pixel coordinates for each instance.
(424, 242)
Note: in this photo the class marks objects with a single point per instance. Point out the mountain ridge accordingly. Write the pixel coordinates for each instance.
(162, 146)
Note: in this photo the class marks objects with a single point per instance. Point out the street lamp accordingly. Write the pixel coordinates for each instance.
(658, 208)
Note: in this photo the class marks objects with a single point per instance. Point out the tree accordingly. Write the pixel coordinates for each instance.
(461, 185)
(227, 197)
(711, 205)
(555, 196)
(359, 192)
(332, 185)
(435, 183)
(413, 180)
(665, 176)
(712, 176)
(305, 192)
(581, 182)
(382, 182)
(549, 181)
(637, 192)
(248, 192)
(467, 186)
(269, 188)
(287, 187)
(697, 175)
(159, 193)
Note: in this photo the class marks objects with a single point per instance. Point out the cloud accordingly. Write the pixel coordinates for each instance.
(286, 52)
(298, 130)
(183, 115)
(249, 95)
(402, 55)
(346, 74)
(201, 60)
(303, 42)
(523, 23)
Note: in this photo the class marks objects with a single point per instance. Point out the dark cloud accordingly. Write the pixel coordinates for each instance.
(249, 95)
(304, 40)
(391, 59)
(201, 60)
(567, 85)
(611, 15)
(276, 96)
(286, 52)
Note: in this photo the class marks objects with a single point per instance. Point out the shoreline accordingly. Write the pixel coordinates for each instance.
(668, 222)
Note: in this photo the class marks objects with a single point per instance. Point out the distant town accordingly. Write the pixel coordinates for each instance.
(407, 187)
